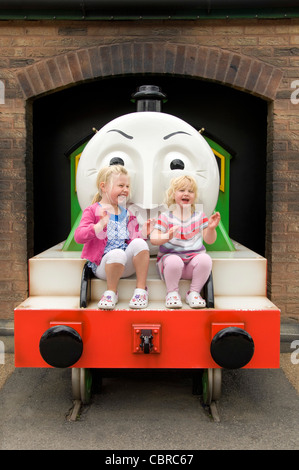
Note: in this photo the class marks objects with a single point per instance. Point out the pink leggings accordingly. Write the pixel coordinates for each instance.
(198, 270)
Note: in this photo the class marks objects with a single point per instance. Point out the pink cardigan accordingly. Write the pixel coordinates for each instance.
(94, 245)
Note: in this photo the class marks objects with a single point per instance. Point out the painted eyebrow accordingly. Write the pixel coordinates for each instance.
(174, 133)
(122, 133)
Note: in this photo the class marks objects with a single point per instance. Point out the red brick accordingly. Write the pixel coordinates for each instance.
(95, 61)
(116, 59)
(242, 72)
(212, 64)
(25, 84)
(158, 58)
(138, 57)
(273, 84)
(253, 75)
(64, 70)
(148, 57)
(224, 60)
(45, 76)
(200, 65)
(54, 72)
(190, 57)
(75, 66)
(179, 63)
(35, 80)
(105, 59)
(233, 69)
(127, 57)
(170, 56)
(84, 61)
(263, 80)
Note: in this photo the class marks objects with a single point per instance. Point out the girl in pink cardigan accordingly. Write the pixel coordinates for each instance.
(113, 244)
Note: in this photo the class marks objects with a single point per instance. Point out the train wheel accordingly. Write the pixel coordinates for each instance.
(85, 384)
(217, 382)
(207, 386)
(211, 385)
(81, 385)
(76, 384)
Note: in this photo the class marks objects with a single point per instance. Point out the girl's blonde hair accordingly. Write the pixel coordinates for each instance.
(179, 183)
(105, 175)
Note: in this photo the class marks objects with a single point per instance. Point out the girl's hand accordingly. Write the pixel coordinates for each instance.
(159, 238)
(102, 223)
(209, 233)
(148, 227)
(214, 220)
(173, 231)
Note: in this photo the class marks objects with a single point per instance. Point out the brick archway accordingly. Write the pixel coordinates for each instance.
(207, 63)
(221, 66)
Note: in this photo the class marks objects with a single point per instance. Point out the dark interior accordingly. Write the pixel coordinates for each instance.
(234, 119)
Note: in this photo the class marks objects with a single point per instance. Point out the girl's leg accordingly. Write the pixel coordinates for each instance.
(198, 270)
(137, 262)
(173, 269)
(113, 274)
(111, 268)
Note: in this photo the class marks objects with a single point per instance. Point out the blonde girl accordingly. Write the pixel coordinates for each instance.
(113, 244)
(180, 233)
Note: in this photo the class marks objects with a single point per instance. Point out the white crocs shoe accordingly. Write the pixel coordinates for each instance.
(108, 300)
(195, 300)
(139, 299)
(173, 300)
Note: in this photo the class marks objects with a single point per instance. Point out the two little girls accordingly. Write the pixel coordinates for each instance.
(115, 247)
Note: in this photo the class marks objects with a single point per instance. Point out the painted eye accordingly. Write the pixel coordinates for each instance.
(177, 164)
(116, 161)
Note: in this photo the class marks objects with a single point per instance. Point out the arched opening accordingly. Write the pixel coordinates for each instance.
(235, 119)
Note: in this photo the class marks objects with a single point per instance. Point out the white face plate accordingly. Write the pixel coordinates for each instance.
(148, 142)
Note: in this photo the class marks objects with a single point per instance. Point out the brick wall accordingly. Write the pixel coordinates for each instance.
(257, 56)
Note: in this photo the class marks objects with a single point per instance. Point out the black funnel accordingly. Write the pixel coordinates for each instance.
(149, 98)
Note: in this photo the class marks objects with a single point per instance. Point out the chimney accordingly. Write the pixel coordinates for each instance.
(149, 98)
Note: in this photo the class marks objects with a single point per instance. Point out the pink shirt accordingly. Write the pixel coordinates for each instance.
(94, 245)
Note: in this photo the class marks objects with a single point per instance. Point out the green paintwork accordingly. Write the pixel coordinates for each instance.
(198, 14)
(223, 242)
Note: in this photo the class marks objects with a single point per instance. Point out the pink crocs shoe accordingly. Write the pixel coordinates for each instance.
(195, 300)
(173, 300)
(139, 299)
(108, 300)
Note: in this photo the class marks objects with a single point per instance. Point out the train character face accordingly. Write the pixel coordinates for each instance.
(154, 148)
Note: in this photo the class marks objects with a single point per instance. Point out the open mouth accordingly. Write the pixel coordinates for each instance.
(122, 199)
